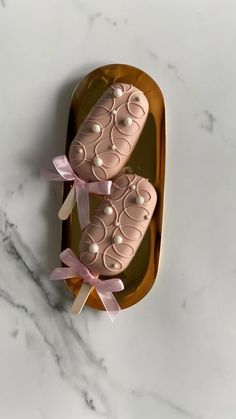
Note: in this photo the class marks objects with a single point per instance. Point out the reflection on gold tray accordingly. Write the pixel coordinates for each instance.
(147, 160)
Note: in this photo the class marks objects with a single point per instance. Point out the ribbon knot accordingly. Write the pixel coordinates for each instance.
(104, 288)
(79, 192)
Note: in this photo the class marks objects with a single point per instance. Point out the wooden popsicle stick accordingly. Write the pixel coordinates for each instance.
(67, 205)
(81, 298)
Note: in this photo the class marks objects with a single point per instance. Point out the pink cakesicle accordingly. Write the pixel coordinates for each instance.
(107, 137)
(117, 227)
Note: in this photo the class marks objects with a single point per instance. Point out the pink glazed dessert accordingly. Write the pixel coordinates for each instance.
(117, 227)
(107, 137)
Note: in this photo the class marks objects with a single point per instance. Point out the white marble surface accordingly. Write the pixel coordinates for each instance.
(172, 356)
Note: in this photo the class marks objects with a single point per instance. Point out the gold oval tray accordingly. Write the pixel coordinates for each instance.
(147, 160)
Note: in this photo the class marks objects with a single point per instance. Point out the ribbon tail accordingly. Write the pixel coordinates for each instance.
(47, 175)
(82, 198)
(63, 273)
(69, 258)
(111, 305)
(109, 285)
(101, 188)
(67, 205)
(63, 167)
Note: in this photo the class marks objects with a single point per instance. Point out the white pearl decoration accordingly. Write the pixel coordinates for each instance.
(108, 210)
(80, 150)
(115, 266)
(97, 161)
(117, 92)
(96, 128)
(133, 187)
(127, 122)
(140, 200)
(93, 248)
(113, 147)
(146, 217)
(117, 223)
(114, 112)
(118, 239)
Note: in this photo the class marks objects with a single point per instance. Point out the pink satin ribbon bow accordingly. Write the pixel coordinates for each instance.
(82, 188)
(104, 288)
